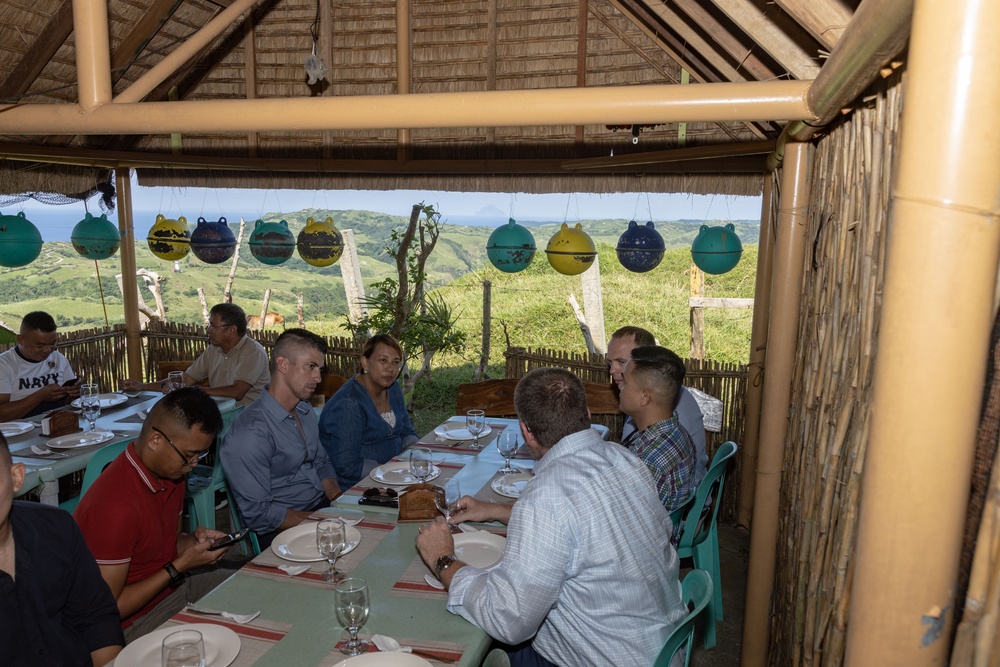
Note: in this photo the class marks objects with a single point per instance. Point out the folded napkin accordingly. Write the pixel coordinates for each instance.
(294, 570)
(515, 488)
(388, 644)
(433, 582)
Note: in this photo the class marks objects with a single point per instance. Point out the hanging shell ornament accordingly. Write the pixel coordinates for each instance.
(571, 251)
(640, 247)
(20, 241)
(511, 247)
(169, 239)
(213, 242)
(717, 249)
(271, 242)
(96, 238)
(319, 243)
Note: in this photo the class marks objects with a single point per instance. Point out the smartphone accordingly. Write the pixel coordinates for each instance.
(70, 383)
(228, 539)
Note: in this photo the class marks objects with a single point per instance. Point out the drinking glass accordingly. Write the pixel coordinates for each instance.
(184, 648)
(452, 493)
(175, 380)
(421, 464)
(330, 541)
(90, 404)
(475, 421)
(351, 598)
(507, 446)
(131, 388)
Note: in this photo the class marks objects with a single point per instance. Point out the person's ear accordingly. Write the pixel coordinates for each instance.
(17, 473)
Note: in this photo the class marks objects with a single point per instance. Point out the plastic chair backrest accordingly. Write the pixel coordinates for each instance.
(497, 658)
(694, 529)
(102, 459)
(696, 591)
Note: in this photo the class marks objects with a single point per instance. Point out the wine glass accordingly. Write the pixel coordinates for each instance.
(351, 597)
(420, 464)
(507, 446)
(90, 403)
(184, 648)
(331, 541)
(452, 493)
(175, 380)
(475, 421)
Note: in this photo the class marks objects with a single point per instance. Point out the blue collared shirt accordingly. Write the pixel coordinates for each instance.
(272, 464)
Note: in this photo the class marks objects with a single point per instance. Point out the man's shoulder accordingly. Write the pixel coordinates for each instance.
(39, 515)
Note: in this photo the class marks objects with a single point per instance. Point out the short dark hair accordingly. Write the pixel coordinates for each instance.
(38, 320)
(640, 335)
(231, 314)
(660, 370)
(385, 339)
(292, 341)
(5, 458)
(552, 403)
(187, 407)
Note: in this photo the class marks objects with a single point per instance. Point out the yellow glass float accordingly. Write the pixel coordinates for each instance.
(169, 239)
(319, 243)
(571, 251)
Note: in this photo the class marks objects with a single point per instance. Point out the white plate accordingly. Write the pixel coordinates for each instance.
(398, 474)
(511, 486)
(479, 549)
(11, 429)
(457, 431)
(298, 544)
(107, 400)
(384, 660)
(222, 645)
(82, 439)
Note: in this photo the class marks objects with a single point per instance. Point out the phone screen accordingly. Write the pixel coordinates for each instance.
(226, 540)
(70, 383)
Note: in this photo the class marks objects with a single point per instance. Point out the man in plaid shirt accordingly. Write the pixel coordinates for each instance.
(649, 390)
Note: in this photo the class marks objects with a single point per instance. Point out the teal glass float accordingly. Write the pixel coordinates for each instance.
(717, 249)
(20, 241)
(571, 251)
(212, 241)
(640, 247)
(271, 242)
(319, 243)
(169, 239)
(511, 247)
(96, 238)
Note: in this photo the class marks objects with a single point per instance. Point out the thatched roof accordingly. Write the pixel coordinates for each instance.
(456, 46)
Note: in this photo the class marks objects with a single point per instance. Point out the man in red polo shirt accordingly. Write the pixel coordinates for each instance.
(130, 516)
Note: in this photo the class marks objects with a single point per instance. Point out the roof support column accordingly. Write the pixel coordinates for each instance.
(93, 53)
(404, 54)
(130, 291)
(941, 267)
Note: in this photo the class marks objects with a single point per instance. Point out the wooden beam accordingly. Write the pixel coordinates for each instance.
(581, 55)
(763, 30)
(325, 47)
(38, 55)
(825, 20)
(673, 155)
(250, 72)
(491, 64)
(138, 38)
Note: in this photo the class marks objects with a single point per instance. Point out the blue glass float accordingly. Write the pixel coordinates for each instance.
(319, 243)
(212, 241)
(20, 241)
(511, 247)
(169, 239)
(571, 251)
(271, 242)
(96, 238)
(717, 249)
(640, 247)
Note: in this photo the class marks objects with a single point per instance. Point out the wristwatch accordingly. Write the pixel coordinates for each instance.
(442, 564)
(176, 578)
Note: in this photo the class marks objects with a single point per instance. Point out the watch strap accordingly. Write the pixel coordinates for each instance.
(442, 564)
(176, 578)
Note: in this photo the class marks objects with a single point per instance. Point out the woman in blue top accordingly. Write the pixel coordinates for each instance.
(365, 423)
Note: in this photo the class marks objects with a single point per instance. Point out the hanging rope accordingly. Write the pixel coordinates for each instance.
(97, 267)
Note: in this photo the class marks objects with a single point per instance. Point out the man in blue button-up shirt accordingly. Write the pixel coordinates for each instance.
(277, 469)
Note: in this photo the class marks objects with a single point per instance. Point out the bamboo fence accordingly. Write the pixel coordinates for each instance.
(96, 355)
(832, 382)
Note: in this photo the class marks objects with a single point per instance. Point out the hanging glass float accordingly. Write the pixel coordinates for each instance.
(319, 243)
(213, 242)
(20, 241)
(511, 247)
(271, 242)
(571, 251)
(640, 247)
(96, 238)
(717, 249)
(169, 239)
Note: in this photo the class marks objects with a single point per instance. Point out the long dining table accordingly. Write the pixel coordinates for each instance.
(297, 624)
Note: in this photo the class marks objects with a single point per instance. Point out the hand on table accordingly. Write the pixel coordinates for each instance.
(469, 509)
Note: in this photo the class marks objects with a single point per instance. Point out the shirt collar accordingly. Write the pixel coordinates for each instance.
(568, 446)
(271, 406)
(239, 344)
(151, 481)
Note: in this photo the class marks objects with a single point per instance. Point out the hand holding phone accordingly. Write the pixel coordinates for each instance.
(228, 539)
(70, 383)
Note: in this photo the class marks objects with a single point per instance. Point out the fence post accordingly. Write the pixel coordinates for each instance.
(263, 308)
(697, 315)
(484, 356)
(593, 305)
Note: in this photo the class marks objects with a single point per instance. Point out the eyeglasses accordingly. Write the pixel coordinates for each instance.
(190, 460)
(218, 326)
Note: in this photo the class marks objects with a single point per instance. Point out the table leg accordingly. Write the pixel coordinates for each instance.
(49, 492)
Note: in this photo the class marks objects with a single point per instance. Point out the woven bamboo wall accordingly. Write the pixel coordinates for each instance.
(832, 383)
(96, 355)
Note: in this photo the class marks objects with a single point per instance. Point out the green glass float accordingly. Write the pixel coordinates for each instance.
(717, 249)
(96, 238)
(271, 242)
(511, 247)
(169, 239)
(213, 242)
(640, 247)
(319, 243)
(20, 241)
(571, 251)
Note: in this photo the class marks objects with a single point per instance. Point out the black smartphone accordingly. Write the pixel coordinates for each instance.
(228, 539)
(70, 383)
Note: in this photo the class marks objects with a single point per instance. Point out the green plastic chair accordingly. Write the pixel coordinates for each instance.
(699, 538)
(497, 658)
(696, 592)
(204, 481)
(102, 459)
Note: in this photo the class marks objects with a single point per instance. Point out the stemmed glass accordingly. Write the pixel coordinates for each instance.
(185, 648)
(452, 493)
(420, 464)
(331, 541)
(175, 380)
(475, 421)
(351, 596)
(507, 446)
(90, 404)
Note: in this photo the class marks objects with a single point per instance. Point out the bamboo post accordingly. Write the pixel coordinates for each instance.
(130, 290)
(934, 335)
(300, 312)
(783, 333)
(484, 355)
(593, 305)
(227, 295)
(404, 58)
(697, 315)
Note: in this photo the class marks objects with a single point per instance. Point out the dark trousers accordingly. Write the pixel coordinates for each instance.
(525, 655)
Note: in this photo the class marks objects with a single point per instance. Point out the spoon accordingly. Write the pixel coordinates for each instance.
(45, 451)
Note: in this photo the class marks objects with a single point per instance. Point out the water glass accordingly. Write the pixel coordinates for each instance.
(90, 403)
(184, 648)
(351, 599)
(507, 446)
(452, 492)
(475, 421)
(331, 540)
(175, 380)
(420, 464)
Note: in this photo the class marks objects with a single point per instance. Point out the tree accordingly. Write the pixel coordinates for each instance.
(424, 324)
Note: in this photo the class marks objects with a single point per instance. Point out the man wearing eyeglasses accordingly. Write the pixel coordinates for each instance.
(234, 364)
(130, 515)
